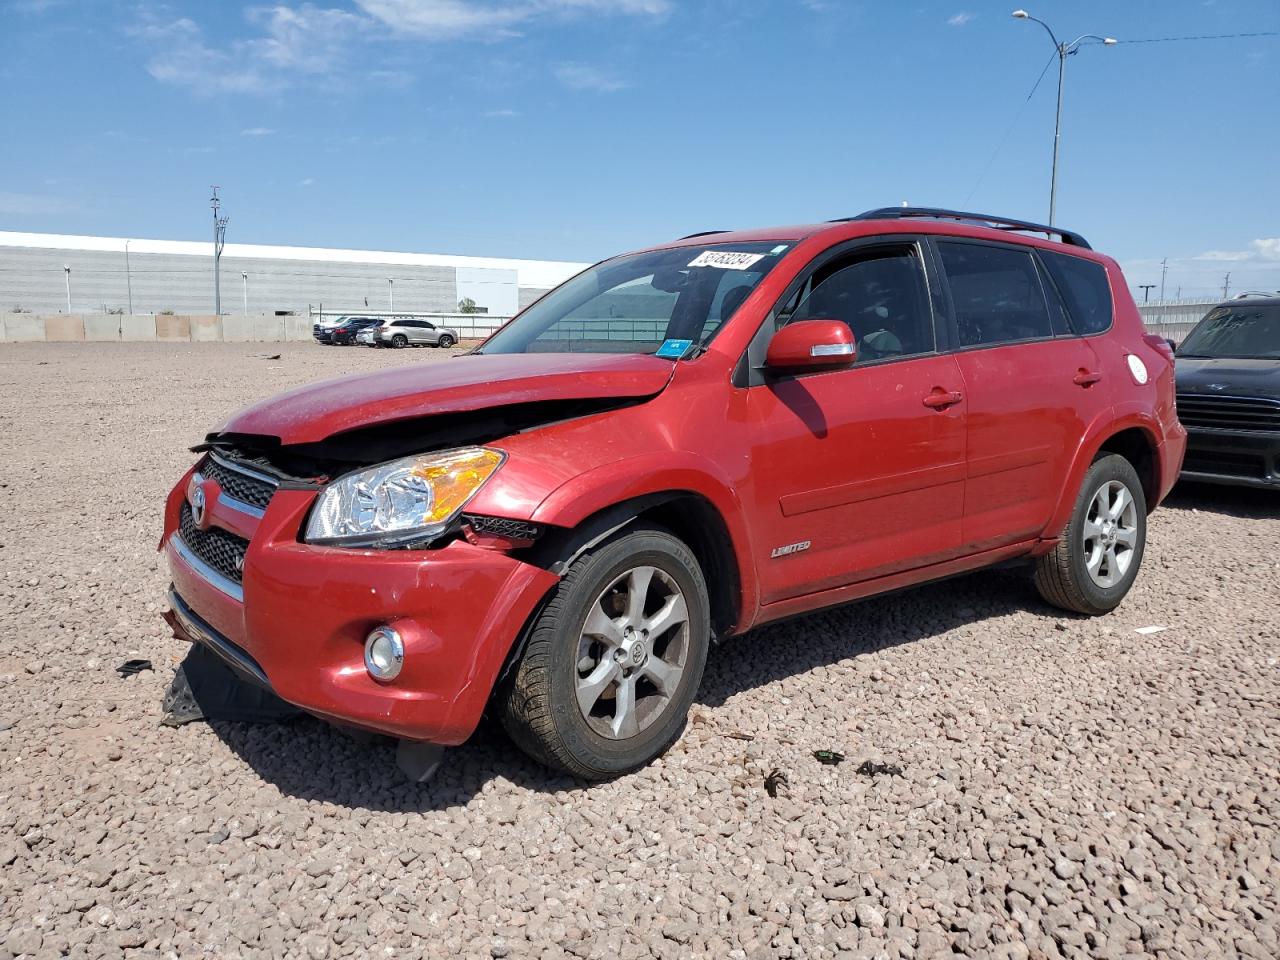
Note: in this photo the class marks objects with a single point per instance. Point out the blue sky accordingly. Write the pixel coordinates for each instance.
(572, 129)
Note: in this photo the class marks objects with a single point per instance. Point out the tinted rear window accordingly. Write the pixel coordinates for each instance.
(996, 292)
(1084, 286)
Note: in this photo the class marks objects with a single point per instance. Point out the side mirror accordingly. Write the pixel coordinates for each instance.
(811, 345)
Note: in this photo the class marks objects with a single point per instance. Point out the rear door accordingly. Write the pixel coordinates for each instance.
(1032, 388)
(858, 472)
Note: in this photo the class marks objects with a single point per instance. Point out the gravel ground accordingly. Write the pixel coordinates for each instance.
(1068, 787)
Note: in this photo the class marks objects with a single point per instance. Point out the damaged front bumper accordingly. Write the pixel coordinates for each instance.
(299, 618)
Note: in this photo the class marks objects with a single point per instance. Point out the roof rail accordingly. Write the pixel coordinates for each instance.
(704, 233)
(1256, 293)
(1000, 223)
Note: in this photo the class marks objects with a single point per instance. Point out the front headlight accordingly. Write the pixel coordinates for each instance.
(402, 501)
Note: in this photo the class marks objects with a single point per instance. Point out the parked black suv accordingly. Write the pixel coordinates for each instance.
(1228, 382)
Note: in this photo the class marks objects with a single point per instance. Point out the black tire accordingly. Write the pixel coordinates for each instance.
(539, 702)
(445, 341)
(1063, 576)
(399, 341)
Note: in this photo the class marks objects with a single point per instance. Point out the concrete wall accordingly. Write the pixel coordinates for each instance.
(163, 328)
(196, 328)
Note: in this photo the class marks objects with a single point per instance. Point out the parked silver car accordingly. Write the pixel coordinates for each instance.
(404, 332)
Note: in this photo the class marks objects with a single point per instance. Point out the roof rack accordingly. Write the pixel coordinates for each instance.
(1000, 223)
(1256, 293)
(704, 233)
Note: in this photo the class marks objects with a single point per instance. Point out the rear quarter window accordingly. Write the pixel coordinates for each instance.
(1084, 286)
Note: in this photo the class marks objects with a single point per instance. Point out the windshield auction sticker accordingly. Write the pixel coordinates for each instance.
(726, 259)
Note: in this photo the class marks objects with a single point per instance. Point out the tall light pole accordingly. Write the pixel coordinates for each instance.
(1164, 272)
(391, 293)
(219, 240)
(128, 276)
(1146, 289)
(66, 270)
(244, 278)
(1064, 50)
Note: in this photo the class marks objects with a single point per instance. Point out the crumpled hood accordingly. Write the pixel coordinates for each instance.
(1229, 377)
(321, 410)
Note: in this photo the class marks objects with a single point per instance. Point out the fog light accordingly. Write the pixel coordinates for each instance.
(383, 654)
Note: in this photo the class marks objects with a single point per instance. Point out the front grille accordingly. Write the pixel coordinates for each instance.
(503, 527)
(1229, 413)
(241, 486)
(222, 551)
(1225, 464)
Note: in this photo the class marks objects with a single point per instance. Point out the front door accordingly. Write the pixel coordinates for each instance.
(859, 472)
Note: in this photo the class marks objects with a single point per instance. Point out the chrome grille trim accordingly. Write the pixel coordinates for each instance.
(206, 572)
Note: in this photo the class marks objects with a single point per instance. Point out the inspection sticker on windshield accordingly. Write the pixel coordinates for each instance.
(726, 259)
(673, 349)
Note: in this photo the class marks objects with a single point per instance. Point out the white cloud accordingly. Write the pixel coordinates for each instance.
(583, 76)
(257, 132)
(960, 19)
(306, 181)
(1203, 275)
(303, 39)
(448, 18)
(505, 112)
(308, 39)
(30, 204)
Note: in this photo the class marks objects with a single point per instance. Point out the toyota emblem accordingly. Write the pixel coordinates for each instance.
(198, 505)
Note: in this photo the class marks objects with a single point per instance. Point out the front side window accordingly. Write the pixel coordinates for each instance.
(881, 295)
(1240, 331)
(1085, 287)
(996, 292)
(636, 303)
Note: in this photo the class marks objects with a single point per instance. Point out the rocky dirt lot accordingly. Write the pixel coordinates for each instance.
(1068, 787)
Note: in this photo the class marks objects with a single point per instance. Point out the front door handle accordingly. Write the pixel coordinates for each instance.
(1086, 378)
(939, 399)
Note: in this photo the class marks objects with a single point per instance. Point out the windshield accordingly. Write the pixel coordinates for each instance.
(662, 302)
(1238, 332)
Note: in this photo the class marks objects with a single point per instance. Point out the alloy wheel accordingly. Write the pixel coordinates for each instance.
(632, 651)
(1110, 533)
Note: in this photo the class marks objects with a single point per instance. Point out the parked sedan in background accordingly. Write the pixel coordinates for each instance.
(364, 337)
(406, 332)
(345, 335)
(1229, 393)
(323, 330)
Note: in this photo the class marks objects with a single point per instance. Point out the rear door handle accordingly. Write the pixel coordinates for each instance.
(939, 398)
(1086, 378)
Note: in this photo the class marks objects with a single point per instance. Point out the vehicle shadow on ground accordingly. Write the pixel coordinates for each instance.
(1246, 503)
(311, 760)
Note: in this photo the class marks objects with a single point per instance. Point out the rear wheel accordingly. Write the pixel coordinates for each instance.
(606, 680)
(446, 341)
(1101, 547)
(399, 341)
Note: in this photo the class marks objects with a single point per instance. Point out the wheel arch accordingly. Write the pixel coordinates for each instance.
(689, 515)
(1133, 437)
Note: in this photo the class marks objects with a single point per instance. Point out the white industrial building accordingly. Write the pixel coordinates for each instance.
(51, 273)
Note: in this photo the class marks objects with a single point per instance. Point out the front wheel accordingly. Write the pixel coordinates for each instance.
(1097, 558)
(613, 662)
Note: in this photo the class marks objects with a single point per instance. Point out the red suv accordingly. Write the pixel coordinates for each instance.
(671, 448)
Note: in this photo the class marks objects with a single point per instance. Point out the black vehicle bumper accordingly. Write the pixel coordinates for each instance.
(1245, 458)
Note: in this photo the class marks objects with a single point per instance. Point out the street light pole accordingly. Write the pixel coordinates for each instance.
(128, 276)
(244, 277)
(1146, 289)
(219, 241)
(1064, 50)
(66, 270)
(391, 293)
